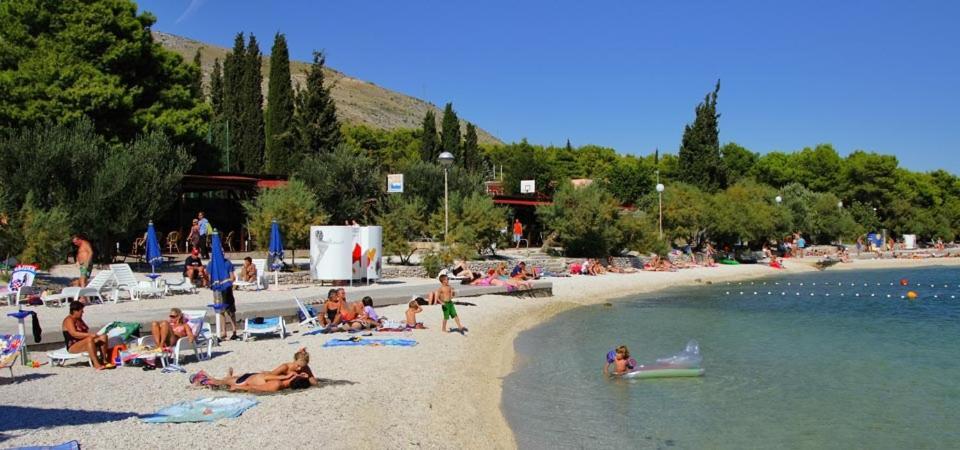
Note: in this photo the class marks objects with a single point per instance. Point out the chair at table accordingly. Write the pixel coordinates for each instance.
(228, 241)
(173, 241)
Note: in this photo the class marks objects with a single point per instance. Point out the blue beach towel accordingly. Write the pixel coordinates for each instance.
(366, 342)
(72, 445)
(207, 409)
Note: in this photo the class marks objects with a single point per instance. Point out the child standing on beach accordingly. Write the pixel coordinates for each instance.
(445, 296)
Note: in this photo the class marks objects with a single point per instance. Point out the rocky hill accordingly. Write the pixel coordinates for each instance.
(358, 101)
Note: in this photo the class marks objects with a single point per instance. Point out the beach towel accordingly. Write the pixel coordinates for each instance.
(208, 409)
(72, 445)
(122, 330)
(9, 348)
(264, 323)
(357, 342)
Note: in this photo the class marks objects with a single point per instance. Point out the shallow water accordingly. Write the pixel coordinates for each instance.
(782, 370)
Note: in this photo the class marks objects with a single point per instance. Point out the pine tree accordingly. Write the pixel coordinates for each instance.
(216, 89)
(279, 150)
(429, 145)
(471, 149)
(316, 113)
(700, 161)
(197, 86)
(450, 131)
(250, 134)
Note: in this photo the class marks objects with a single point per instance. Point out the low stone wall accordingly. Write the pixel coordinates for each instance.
(552, 264)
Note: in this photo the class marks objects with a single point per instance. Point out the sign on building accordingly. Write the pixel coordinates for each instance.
(395, 183)
(528, 186)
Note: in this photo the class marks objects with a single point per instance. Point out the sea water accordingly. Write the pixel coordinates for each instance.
(833, 359)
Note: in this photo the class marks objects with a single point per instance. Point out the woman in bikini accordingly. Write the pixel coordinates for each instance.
(271, 381)
(330, 314)
(79, 339)
(166, 333)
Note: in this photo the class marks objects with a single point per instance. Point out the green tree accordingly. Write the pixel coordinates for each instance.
(523, 161)
(250, 139)
(738, 161)
(62, 61)
(583, 220)
(316, 114)
(870, 178)
(429, 144)
(744, 212)
(280, 153)
(346, 182)
(45, 234)
(819, 168)
(776, 169)
(216, 89)
(233, 74)
(402, 222)
(392, 149)
(470, 154)
(294, 207)
(197, 85)
(700, 161)
(629, 179)
(685, 212)
(450, 133)
(475, 223)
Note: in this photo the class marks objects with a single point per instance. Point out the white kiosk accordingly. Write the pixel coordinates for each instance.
(342, 253)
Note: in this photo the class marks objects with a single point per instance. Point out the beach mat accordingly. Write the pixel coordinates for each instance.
(207, 409)
(72, 445)
(370, 342)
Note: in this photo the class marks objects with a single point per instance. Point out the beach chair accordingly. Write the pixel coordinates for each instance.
(310, 319)
(9, 350)
(126, 281)
(269, 325)
(184, 285)
(261, 266)
(93, 290)
(60, 356)
(21, 283)
(173, 239)
(203, 337)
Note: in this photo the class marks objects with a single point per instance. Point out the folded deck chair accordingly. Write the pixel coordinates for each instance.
(20, 285)
(202, 333)
(261, 266)
(9, 350)
(268, 325)
(184, 285)
(126, 281)
(60, 356)
(310, 319)
(94, 289)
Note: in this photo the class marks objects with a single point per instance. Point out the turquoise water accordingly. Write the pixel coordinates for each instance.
(782, 371)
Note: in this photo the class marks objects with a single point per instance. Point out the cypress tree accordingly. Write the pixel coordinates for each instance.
(233, 69)
(428, 140)
(216, 89)
(700, 161)
(279, 151)
(471, 149)
(316, 112)
(450, 131)
(250, 134)
(197, 86)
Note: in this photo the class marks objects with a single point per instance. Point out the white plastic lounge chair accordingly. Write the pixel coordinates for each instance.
(60, 356)
(9, 350)
(202, 333)
(93, 290)
(270, 325)
(311, 320)
(126, 281)
(261, 266)
(20, 286)
(184, 285)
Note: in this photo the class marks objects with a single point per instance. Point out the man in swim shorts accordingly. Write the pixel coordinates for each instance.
(84, 258)
(445, 295)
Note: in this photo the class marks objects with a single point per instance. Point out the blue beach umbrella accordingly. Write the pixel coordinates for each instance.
(154, 257)
(219, 267)
(275, 253)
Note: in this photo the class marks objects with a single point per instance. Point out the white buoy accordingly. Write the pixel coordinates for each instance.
(798, 294)
(841, 294)
(801, 284)
(827, 294)
(857, 295)
(814, 284)
(783, 293)
(888, 295)
(768, 292)
(811, 294)
(741, 292)
(935, 296)
(871, 295)
(754, 292)
(728, 293)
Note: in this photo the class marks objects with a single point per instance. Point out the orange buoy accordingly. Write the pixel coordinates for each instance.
(911, 295)
(904, 282)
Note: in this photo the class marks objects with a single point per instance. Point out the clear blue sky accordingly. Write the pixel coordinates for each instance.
(874, 75)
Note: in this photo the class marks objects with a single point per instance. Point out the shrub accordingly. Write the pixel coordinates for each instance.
(46, 235)
(432, 263)
(585, 221)
(402, 222)
(293, 206)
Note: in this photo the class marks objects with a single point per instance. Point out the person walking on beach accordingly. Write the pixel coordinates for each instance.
(203, 225)
(226, 297)
(84, 258)
(445, 295)
(517, 231)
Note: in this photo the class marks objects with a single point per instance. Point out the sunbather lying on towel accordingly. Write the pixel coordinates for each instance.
(260, 382)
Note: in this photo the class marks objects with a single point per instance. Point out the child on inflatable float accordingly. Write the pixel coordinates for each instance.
(621, 360)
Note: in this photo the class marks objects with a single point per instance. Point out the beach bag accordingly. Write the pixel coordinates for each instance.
(575, 269)
(209, 228)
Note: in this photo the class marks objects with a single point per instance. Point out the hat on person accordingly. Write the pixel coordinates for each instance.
(195, 251)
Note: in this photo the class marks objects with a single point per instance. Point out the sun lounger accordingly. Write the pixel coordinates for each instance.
(126, 281)
(184, 285)
(260, 283)
(269, 325)
(202, 333)
(20, 286)
(9, 350)
(60, 357)
(93, 290)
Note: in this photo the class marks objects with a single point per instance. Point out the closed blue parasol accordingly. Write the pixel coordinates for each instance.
(154, 257)
(275, 252)
(219, 267)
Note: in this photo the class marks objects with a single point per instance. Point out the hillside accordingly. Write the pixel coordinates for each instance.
(358, 101)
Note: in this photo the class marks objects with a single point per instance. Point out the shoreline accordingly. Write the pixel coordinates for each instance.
(501, 357)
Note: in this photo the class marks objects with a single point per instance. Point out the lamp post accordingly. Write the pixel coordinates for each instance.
(840, 204)
(660, 200)
(779, 199)
(446, 160)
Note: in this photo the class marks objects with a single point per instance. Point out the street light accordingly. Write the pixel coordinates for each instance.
(779, 199)
(840, 204)
(660, 198)
(446, 160)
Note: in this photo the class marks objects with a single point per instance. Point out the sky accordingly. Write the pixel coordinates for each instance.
(872, 75)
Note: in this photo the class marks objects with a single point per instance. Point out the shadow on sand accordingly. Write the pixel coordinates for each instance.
(24, 417)
(17, 379)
